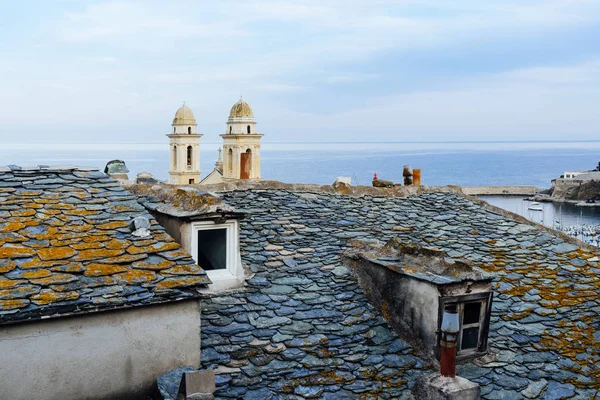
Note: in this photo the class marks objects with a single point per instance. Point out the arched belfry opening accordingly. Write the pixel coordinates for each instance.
(189, 156)
(189, 130)
(230, 161)
(174, 157)
(246, 164)
(248, 129)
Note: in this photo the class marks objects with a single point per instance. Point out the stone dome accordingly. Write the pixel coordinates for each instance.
(241, 109)
(184, 116)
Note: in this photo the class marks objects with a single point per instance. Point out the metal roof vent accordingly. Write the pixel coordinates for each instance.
(140, 227)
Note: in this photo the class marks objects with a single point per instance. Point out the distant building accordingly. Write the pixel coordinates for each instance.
(241, 144)
(184, 143)
(241, 147)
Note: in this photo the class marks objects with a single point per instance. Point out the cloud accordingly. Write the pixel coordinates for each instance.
(351, 78)
(337, 68)
(503, 106)
(123, 19)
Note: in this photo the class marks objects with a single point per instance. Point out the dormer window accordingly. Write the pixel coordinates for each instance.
(417, 284)
(215, 247)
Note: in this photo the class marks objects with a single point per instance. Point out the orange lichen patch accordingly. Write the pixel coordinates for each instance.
(183, 270)
(112, 225)
(136, 276)
(54, 279)
(38, 273)
(49, 233)
(97, 238)
(68, 267)
(11, 227)
(123, 209)
(15, 251)
(12, 304)
(23, 213)
(147, 242)
(96, 269)
(61, 206)
(68, 242)
(116, 244)
(48, 296)
(162, 237)
(474, 232)
(179, 283)
(516, 315)
(162, 264)
(32, 205)
(87, 246)
(10, 283)
(93, 254)
(45, 201)
(80, 195)
(78, 228)
(56, 253)
(7, 266)
(385, 312)
(125, 258)
(78, 212)
(153, 249)
(48, 212)
(19, 292)
(30, 193)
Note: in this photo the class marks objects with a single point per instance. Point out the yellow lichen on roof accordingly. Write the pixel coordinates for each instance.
(70, 234)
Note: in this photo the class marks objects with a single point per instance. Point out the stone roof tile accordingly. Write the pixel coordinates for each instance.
(544, 322)
(66, 247)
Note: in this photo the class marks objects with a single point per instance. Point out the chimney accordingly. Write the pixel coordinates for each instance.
(448, 343)
(407, 174)
(417, 176)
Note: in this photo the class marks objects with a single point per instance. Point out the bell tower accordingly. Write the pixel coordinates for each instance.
(184, 146)
(241, 144)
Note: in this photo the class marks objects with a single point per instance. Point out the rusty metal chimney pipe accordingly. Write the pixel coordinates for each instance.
(416, 176)
(449, 328)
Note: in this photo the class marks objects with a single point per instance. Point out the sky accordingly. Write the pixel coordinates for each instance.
(313, 70)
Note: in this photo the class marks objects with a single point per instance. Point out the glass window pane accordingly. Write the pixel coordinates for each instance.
(469, 338)
(212, 249)
(471, 313)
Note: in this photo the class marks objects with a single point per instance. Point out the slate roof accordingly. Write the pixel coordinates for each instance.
(303, 329)
(65, 247)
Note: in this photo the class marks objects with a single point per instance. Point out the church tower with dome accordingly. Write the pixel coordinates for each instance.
(241, 144)
(184, 144)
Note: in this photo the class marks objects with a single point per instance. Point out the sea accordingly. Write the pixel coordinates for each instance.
(441, 163)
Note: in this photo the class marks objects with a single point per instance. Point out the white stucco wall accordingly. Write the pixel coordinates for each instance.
(212, 178)
(110, 355)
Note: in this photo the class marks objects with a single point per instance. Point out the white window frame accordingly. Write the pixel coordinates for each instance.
(233, 269)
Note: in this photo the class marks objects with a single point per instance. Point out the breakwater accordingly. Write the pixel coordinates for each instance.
(500, 190)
